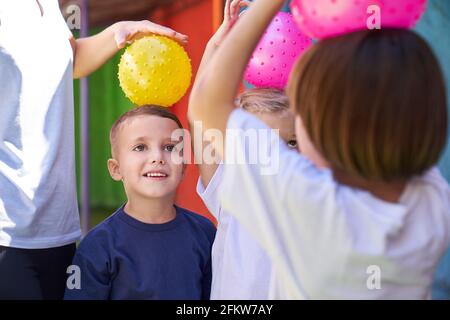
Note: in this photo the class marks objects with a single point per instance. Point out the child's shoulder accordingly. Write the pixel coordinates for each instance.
(102, 233)
(198, 220)
(433, 177)
(431, 184)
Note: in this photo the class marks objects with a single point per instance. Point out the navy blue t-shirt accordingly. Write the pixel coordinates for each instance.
(123, 258)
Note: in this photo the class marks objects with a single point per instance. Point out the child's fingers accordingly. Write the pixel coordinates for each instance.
(234, 7)
(246, 5)
(226, 14)
(237, 5)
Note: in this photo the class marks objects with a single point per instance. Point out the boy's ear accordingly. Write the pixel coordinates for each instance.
(114, 170)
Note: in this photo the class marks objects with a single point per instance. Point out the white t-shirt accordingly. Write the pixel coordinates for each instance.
(328, 240)
(38, 203)
(241, 270)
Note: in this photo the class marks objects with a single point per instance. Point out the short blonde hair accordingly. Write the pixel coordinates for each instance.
(150, 110)
(263, 100)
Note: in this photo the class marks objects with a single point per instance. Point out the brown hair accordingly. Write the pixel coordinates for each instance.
(263, 100)
(373, 103)
(150, 110)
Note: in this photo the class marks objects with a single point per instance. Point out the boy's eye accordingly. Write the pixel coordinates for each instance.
(169, 147)
(292, 144)
(139, 148)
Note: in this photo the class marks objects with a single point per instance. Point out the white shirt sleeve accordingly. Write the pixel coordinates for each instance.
(210, 194)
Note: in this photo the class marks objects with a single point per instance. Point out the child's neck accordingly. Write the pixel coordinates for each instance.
(153, 211)
(387, 191)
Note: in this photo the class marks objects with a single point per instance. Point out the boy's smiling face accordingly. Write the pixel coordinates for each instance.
(146, 158)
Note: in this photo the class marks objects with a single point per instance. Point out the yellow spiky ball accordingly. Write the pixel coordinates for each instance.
(155, 70)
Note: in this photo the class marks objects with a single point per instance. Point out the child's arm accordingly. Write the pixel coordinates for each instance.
(213, 94)
(91, 279)
(231, 15)
(92, 52)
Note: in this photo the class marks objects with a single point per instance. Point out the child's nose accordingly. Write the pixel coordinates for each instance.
(157, 158)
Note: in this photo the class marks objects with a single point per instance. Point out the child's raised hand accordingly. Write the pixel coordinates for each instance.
(230, 16)
(125, 32)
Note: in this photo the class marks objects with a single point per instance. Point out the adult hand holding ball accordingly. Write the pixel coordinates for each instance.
(155, 70)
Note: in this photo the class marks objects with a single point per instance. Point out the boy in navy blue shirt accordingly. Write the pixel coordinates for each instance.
(149, 248)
